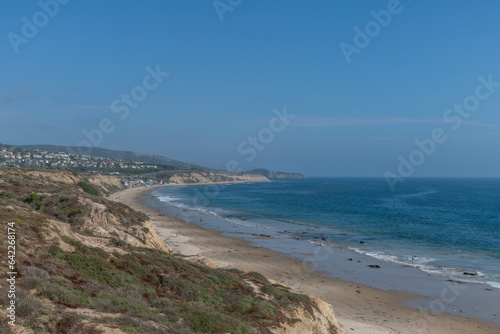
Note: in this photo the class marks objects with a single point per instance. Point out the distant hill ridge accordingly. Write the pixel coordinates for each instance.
(119, 155)
(151, 159)
(275, 175)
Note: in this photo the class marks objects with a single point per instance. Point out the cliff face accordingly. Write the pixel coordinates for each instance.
(87, 264)
(85, 215)
(321, 321)
(105, 183)
(276, 175)
(312, 315)
(214, 177)
(105, 223)
(281, 175)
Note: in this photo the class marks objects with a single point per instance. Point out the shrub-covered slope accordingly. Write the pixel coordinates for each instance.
(75, 278)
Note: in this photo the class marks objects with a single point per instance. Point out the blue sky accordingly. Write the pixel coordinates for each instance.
(227, 76)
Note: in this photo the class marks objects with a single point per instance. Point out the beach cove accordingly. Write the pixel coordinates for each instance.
(359, 308)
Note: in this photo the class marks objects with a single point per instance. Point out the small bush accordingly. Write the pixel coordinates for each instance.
(29, 283)
(55, 251)
(70, 324)
(246, 303)
(66, 324)
(6, 195)
(131, 325)
(258, 277)
(34, 200)
(65, 295)
(111, 303)
(88, 188)
(28, 306)
(191, 291)
(168, 307)
(80, 247)
(205, 322)
(36, 272)
(214, 322)
(96, 268)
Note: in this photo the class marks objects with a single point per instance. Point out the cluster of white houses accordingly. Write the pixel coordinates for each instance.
(20, 157)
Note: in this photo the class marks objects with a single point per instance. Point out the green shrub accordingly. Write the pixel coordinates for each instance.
(36, 272)
(55, 251)
(97, 269)
(29, 283)
(6, 195)
(214, 322)
(29, 306)
(65, 295)
(191, 291)
(246, 303)
(88, 188)
(258, 277)
(80, 247)
(33, 200)
(205, 322)
(70, 324)
(111, 303)
(267, 310)
(136, 326)
(287, 299)
(169, 308)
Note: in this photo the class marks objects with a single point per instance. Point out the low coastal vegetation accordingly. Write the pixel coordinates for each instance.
(66, 283)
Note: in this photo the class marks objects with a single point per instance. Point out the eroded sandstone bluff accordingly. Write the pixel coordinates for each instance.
(87, 264)
(214, 177)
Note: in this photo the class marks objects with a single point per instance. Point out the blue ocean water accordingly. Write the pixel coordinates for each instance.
(448, 225)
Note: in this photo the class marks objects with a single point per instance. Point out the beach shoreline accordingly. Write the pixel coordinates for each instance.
(359, 308)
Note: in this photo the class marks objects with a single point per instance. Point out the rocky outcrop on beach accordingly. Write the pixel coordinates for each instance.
(322, 320)
(214, 177)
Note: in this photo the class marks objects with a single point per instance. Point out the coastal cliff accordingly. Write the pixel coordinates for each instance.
(275, 175)
(214, 177)
(87, 264)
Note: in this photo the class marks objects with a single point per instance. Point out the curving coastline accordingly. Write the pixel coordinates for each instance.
(360, 309)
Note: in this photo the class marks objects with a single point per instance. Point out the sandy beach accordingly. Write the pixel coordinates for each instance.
(359, 308)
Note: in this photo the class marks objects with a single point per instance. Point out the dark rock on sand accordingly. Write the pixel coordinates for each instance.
(471, 273)
(374, 266)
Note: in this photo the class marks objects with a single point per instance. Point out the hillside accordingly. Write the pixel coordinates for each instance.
(126, 163)
(87, 264)
(275, 175)
(119, 155)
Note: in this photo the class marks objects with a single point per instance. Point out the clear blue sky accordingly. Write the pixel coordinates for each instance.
(226, 77)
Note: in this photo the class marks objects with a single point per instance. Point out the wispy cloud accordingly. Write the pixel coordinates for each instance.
(480, 124)
(9, 113)
(17, 96)
(96, 107)
(55, 111)
(321, 122)
(75, 88)
(324, 122)
(29, 83)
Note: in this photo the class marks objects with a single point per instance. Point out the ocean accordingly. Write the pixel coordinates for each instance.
(440, 226)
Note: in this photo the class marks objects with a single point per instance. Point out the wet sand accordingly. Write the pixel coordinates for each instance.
(359, 308)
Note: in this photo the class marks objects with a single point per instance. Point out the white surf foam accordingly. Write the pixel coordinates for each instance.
(496, 285)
